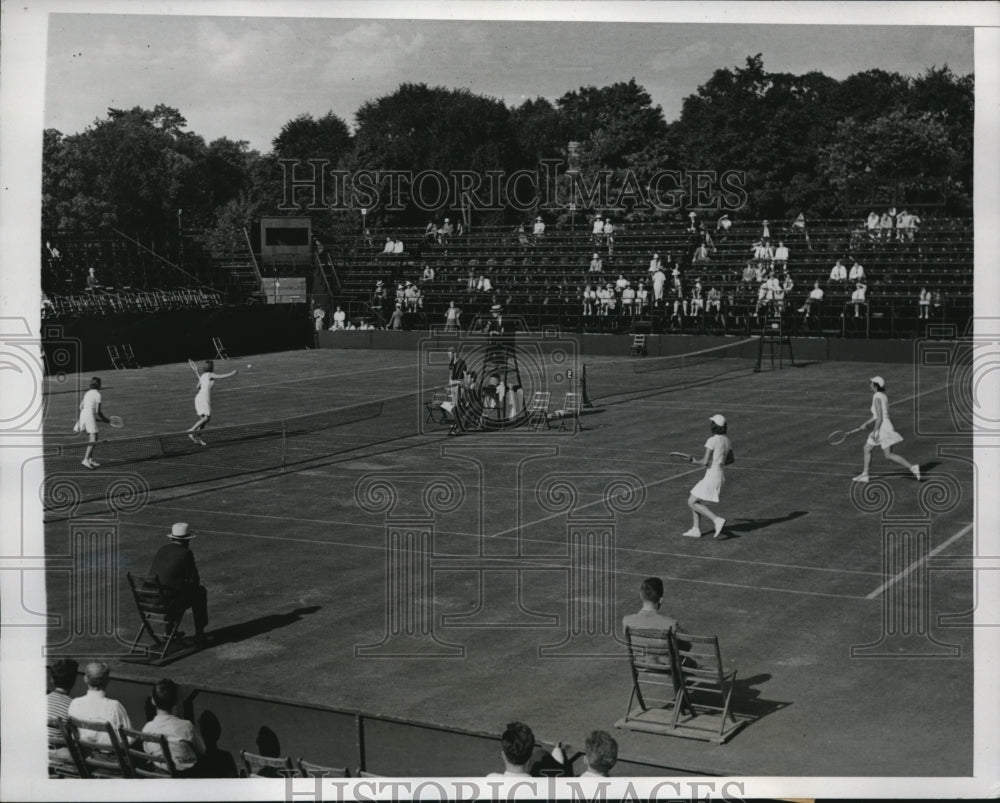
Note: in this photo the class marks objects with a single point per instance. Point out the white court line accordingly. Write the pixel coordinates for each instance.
(913, 566)
(519, 562)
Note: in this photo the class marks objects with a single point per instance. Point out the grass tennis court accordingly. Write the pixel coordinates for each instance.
(795, 583)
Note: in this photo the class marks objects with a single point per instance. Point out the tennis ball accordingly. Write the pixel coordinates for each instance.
(249, 365)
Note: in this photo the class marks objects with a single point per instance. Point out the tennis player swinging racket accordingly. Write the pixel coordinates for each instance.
(203, 400)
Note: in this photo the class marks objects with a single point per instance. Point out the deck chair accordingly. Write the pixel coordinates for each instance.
(128, 355)
(705, 690)
(64, 753)
(538, 409)
(309, 770)
(437, 412)
(100, 749)
(220, 349)
(652, 663)
(570, 410)
(116, 358)
(159, 764)
(257, 766)
(638, 348)
(363, 774)
(152, 602)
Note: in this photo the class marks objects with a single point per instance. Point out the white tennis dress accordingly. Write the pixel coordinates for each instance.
(887, 435)
(710, 485)
(203, 401)
(88, 411)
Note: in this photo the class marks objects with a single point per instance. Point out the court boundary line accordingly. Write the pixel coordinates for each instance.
(916, 564)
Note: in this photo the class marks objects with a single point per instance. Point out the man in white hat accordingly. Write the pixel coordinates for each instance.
(176, 571)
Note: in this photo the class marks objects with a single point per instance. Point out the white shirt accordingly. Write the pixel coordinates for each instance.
(539, 227)
(91, 402)
(781, 253)
(816, 294)
(598, 226)
(839, 272)
(96, 707)
(858, 294)
(719, 445)
(183, 740)
(857, 272)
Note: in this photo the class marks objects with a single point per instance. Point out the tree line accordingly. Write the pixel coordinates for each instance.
(804, 143)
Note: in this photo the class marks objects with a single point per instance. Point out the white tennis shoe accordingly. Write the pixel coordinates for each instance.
(862, 478)
(694, 532)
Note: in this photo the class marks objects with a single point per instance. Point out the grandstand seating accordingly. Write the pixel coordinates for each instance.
(544, 280)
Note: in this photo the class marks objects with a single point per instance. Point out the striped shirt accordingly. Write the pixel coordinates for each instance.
(58, 706)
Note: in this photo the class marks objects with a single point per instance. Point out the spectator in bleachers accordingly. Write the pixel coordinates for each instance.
(430, 233)
(598, 231)
(92, 283)
(183, 740)
(857, 273)
(411, 297)
(786, 283)
(319, 316)
(678, 305)
(700, 255)
(885, 226)
(780, 256)
(799, 227)
(63, 676)
(390, 246)
(655, 264)
(621, 283)
(765, 233)
(641, 298)
(396, 319)
(609, 235)
(397, 247)
(937, 302)
(697, 304)
(924, 304)
(839, 272)
(522, 236)
(95, 706)
(452, 317)
(659, 280)
(692, 222)
(873, 225)
(484, 285)
(723, 225)
(628, 300)
(764, 297)
(601, 754)
(53, 251)
(778, 299)
(858, 297)
(596, 263)
(445, 232)
(589, 301)
(749, 273)
(539, 228)
(913, 225)
(713, 304)
(339, 320)
(675, 278)
(428, 274)
(815, 297)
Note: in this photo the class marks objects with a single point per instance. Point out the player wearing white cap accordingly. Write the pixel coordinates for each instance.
(718, 452)
(883, 434)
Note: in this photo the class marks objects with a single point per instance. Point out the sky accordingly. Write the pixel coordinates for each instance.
(243, 78)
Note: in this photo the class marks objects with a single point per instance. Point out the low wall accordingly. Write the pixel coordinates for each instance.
(804, 348)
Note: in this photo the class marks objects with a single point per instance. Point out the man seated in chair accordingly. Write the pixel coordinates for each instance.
(183, 740)
(94, 706)
(63, 677)
(649, 616)
(176, 571)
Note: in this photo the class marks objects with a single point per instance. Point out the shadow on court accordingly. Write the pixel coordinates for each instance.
(747, 698)
(256, 627)
(750, 525)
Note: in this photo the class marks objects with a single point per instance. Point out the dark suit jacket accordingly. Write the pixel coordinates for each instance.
(175, 567)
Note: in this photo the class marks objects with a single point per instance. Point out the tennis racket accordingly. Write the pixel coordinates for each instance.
(193, 367)
(838, 437)
(681, 457)
(116, 421)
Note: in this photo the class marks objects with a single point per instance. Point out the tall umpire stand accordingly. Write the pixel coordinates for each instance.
(543, 280)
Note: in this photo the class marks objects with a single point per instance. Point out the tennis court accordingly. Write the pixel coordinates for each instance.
(796, 581)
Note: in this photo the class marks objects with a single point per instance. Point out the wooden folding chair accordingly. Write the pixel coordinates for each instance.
(153, 604)
(220, 349)
(652, 662)
(128, 356)
(638, 348)
(705, 690)
(65, 760)
(115, 357)
(436, 412)
(145, 764)
(570, 409)
(363, 774)
(538, 409)
(309, 770)
(257, 766)
(100, 749)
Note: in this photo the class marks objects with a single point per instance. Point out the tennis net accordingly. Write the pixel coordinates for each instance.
(623, 379)
(173, 459)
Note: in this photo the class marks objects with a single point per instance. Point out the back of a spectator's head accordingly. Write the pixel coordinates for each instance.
(602, 751)
(652, 589)
(518, 743)
(165, 694)
(64, 673)
(97, 675)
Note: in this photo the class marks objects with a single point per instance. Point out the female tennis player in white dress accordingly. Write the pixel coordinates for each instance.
(718, 451)
(203, 400)
(883, 434)
(90, 414)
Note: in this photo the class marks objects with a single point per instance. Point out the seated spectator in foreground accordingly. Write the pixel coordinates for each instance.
(838, 273)
(390, 246)
(63, 675)
(780, 255)
(96, 706)
(522, 758)
(183, 740)
(857, 273)
(815, 296)
(601, 754)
